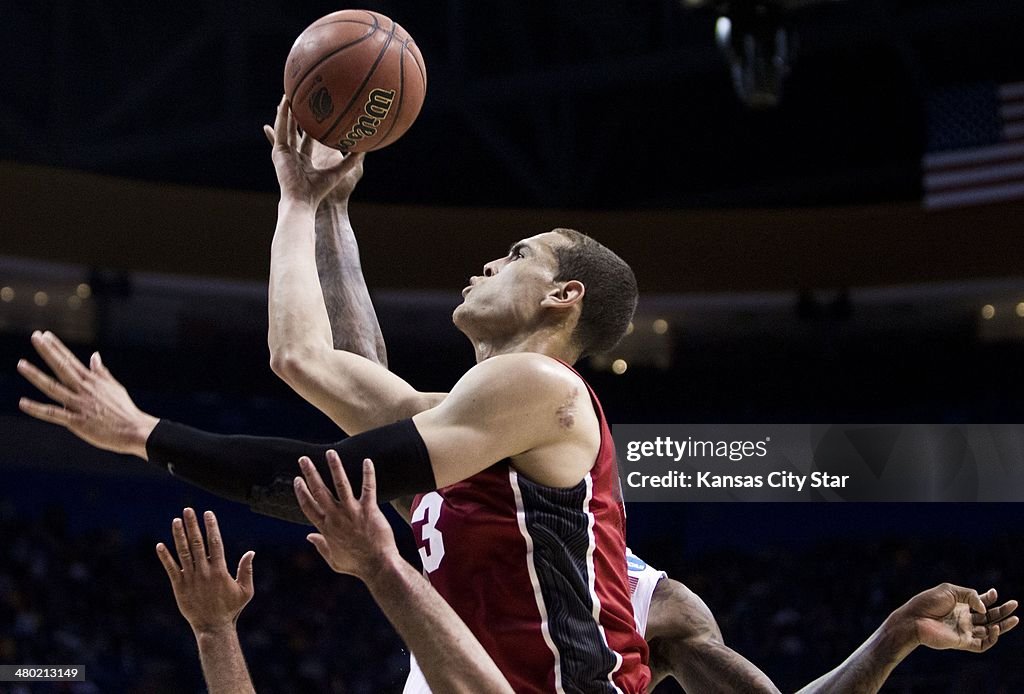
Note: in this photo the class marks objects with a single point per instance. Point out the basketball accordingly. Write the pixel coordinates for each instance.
(355, 80)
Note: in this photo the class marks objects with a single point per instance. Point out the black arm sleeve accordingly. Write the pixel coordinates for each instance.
(259, 471)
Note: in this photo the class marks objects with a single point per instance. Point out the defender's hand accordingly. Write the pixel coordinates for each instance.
(92, 404)
(355, 537)
(206, 594)
(950, 616)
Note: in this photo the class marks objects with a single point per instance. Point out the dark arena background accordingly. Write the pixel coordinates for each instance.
(822, 201)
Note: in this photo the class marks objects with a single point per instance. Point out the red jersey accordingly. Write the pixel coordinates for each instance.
(539, 574)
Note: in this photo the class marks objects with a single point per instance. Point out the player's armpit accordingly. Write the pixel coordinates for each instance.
(356, 393)
(514, 405)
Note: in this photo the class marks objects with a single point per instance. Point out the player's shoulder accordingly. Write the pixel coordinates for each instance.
(530, 372)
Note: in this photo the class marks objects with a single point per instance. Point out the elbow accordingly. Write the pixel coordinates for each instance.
(290, 362)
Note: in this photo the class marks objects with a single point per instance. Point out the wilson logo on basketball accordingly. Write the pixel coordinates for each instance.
(320, 104)
(377, 107)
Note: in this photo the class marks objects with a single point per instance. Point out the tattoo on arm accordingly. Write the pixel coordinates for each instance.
(353, 321)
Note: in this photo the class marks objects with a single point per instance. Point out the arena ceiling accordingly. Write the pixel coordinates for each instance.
(563, 103)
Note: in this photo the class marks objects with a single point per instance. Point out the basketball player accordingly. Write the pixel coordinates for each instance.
(687, 644)
(685, 640)
(533, 542)
(53, 352)
(354, 539)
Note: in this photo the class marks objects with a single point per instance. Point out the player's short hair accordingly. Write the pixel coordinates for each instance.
(611, 292)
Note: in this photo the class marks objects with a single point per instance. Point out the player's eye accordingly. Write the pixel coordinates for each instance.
(516, 253)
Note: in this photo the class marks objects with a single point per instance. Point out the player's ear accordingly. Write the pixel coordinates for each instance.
(564, 294)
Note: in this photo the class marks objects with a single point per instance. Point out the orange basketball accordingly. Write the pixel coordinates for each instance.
(355, 80)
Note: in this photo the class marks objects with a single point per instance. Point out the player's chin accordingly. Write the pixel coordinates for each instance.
(459, 314)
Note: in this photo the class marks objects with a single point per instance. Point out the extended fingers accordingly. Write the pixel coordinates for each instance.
(45, 383)
(340, 477)
(181, 545)
(305, 143)
(214, 539)
(316, 484)
(195, 540)
(59, 358)
(292, 130)
(97, 366)
(244, 575)
(369, 493)
(170, 566)
(48, 412)
(310, 508)
(281, 123)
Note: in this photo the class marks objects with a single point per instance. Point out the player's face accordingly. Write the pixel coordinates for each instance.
(508, 295)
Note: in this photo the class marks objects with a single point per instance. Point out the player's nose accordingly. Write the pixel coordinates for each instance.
(491, 268)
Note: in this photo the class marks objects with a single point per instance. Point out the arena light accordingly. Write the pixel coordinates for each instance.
(758, 47)
(988, 311)
(619, 366)
(7, 295)
(41, 299)
(1020, 309)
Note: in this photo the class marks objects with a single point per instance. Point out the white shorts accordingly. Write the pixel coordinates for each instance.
(643, 579)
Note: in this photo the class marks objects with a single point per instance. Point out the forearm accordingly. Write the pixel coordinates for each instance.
(259, 471)
(298, 316)
(701, 665)
(223, 662)
(450, 656)
(354, 324)
(867, 668)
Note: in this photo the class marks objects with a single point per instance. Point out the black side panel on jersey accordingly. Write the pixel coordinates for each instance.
(559, 526)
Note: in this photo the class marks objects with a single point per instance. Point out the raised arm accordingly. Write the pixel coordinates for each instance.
(354, 325)
(944, 617)
(355, 392)
(354, 538)
(210, 600)
(506, 406)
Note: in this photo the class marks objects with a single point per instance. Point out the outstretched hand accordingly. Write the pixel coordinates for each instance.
(207, 596)
(306, 170)
(91, 403)
(950, 616)
(355, 537)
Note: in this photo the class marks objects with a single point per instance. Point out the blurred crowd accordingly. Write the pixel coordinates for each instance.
(99, 598)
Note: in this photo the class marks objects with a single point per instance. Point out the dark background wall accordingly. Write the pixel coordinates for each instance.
(786, 249)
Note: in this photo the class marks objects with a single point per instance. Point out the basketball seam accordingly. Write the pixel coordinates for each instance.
(421, 68)
(342, 21)
(366, 80)
(329, 55)
(401, 98)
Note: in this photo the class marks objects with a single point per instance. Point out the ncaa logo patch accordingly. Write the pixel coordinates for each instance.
(635, 563)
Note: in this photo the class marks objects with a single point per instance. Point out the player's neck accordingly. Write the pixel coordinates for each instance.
(552, 344)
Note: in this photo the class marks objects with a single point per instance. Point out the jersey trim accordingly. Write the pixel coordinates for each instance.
(591, 580)
(513, 478)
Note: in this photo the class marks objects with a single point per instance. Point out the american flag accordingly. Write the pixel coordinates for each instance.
(975, 151)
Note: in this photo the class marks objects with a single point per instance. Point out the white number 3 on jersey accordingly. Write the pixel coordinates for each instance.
(428, 512)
